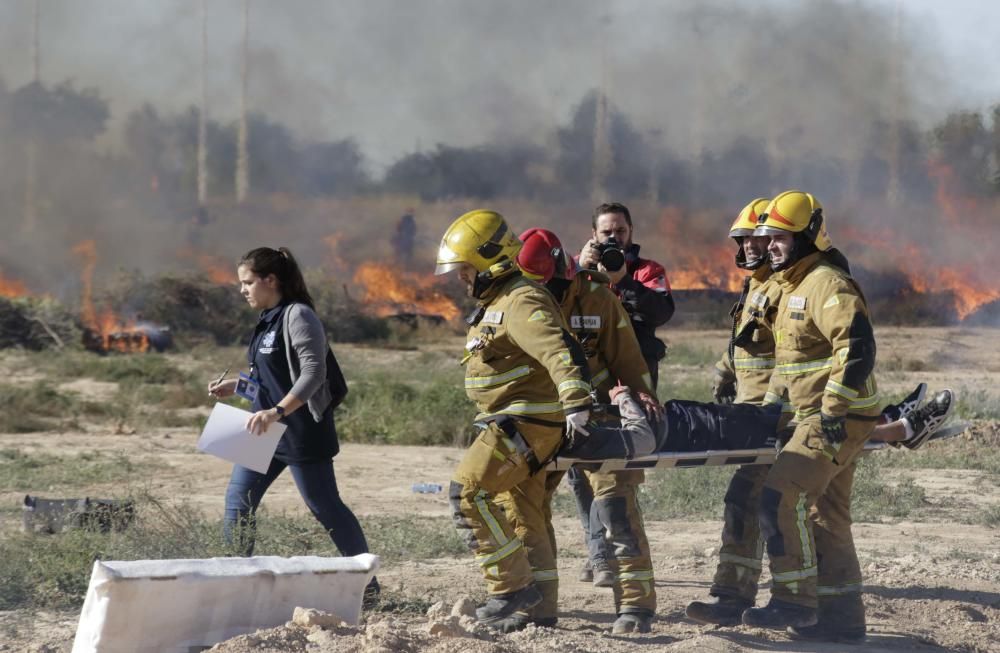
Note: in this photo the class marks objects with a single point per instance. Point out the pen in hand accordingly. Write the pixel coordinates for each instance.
(219, 380)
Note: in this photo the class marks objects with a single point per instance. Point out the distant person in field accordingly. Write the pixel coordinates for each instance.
(294, 378)
(405, 239)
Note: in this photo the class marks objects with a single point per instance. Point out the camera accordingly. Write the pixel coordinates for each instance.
(612, 256)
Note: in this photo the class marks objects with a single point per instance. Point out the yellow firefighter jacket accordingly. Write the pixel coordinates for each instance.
(824, 342)
(598, 320)
(520, 358)
(752, 349)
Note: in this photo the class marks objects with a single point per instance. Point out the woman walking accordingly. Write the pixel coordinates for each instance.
(288, 357)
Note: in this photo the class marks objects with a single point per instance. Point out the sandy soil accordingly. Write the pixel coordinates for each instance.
(930, 585)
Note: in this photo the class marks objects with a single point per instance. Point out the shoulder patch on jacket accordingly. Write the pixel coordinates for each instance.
(796, 301)
(833, 301)
(538, 316)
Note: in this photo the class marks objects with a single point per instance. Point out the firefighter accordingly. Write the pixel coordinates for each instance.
(528, 378)
(825, 357)
(742, 375)
(600, 323)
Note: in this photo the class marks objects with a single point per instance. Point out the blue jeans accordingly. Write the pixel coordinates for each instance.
(318, 487)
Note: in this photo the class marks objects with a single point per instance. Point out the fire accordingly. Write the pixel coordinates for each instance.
(387, 292)
(704, 269)
(106, 331)
(218, 269)
(955, 208)
(969, 294)
(12, 287)
(334, 243)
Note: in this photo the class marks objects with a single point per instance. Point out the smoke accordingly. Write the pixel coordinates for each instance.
(393, 74)
(746, 99)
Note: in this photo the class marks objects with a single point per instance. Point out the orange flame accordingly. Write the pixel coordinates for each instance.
(12, 287)
(388, 293)
(334, 243)
(696, 264)
(218, 269)
(108, 333)
(956, 208)
(708, 267)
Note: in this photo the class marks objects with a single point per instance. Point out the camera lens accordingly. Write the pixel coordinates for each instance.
(612, 259)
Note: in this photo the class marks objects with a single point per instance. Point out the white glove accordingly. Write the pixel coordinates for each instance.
(577, 423)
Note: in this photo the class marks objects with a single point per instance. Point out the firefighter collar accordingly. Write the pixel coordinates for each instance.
(793, 275)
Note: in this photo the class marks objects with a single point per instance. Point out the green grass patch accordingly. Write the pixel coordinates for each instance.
(875, 498)
(120, 368)
(695, 355)
(991, 517)
(956, 453)
(978, 403)
(683, 386)
(31, 408)
(685, 493)
(383, 410)
(390, 602)
(52, 571)
(698, 494)
(44, 472)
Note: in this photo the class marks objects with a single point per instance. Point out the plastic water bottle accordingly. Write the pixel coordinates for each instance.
(427, 488)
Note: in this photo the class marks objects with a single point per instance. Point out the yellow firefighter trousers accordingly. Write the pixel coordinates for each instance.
(805, 514)
(537, 534)
(742, 545)
(493, 465)
(616, 505)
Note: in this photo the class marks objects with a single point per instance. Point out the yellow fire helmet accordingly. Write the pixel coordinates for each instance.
(746, 221)
(482, 239)
(795, 212)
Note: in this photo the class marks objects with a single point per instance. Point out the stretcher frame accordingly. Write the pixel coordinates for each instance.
(691, 459)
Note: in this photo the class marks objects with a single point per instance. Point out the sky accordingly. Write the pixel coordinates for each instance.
(401, 75)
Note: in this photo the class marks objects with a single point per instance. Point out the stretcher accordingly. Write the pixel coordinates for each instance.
(688, 459)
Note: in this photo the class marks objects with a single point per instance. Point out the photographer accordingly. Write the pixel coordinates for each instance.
(640, 283)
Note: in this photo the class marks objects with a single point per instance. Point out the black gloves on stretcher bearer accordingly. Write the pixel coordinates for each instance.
(646, 428)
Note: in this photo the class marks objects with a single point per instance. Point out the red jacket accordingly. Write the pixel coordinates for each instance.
(645, 294)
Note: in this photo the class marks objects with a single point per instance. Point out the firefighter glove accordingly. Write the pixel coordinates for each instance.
(724, 389)
(576, 425)
(834, 428)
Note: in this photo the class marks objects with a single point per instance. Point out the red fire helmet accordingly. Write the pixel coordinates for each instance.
(543, 257)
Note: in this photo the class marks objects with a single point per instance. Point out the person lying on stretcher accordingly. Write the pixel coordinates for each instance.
(645, 427)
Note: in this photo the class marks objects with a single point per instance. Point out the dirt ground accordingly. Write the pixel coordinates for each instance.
(929, 585)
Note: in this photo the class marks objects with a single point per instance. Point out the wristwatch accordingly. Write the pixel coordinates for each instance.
(280, 411)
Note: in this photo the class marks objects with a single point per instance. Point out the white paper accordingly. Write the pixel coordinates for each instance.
(225, 436)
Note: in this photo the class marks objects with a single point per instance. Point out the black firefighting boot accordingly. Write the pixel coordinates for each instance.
(633, 622)
(778, 614)
(520, 621)
(930, 417)
(502, 606)
(841, 620)
(724, 611)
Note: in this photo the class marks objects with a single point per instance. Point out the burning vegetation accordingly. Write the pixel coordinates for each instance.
(391, 293)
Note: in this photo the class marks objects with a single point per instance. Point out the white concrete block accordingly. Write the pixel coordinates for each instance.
(177, 605)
